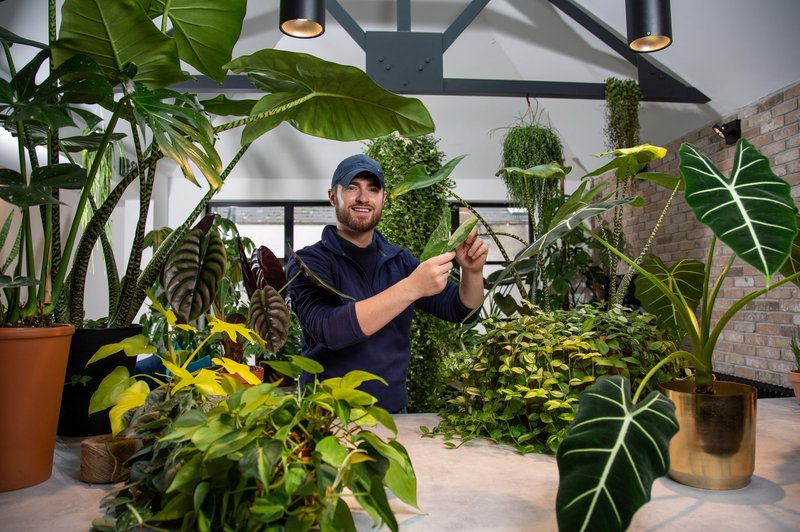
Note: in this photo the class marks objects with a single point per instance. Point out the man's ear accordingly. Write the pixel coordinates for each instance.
(332, 196)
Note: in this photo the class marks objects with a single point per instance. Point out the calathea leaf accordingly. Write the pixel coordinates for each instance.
(685, 277)
(192, 273)
(267, 269)
(752, 211)
(269, 317)
(610, 456)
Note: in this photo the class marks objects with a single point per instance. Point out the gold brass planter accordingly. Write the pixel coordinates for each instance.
(715, 446)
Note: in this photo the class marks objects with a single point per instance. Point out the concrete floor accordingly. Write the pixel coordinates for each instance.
(485, 487)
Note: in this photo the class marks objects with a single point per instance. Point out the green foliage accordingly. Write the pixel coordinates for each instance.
(520, 381)
(622, 113)
(262, 459)
(408, 220)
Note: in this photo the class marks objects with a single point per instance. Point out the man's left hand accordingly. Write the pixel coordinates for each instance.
(472, 253)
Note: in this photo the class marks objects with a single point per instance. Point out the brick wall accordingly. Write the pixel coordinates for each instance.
(755, 345)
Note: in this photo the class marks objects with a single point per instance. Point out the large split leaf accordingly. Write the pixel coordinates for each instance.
(269, 317)
(685, 277)
(327, 100)
(610, 456)
(192, 273)
(752, 211)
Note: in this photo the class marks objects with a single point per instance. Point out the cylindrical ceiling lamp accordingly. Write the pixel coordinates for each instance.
(649, 25)
(303, 19)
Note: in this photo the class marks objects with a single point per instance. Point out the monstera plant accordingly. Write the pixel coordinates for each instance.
(617, 445)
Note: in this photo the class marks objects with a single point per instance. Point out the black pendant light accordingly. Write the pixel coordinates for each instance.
(649, 25)
(303, 19)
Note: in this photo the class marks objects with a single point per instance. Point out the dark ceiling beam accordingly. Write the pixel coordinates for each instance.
(347, 22)
(403, 15)
(461, 23)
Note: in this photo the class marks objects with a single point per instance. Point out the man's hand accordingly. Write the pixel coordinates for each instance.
(430, 277)
(472, 253)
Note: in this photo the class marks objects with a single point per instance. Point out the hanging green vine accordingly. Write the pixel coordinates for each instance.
(621, 131)
(526, 145)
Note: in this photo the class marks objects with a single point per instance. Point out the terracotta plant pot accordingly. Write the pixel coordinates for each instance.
(34, 364)
(715, 446)
(794, 378)
(74, 418)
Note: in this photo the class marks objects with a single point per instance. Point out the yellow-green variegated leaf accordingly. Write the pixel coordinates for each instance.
(110, 388)
(132, 346)
(628, 161)
(133, 397)
(235, 368)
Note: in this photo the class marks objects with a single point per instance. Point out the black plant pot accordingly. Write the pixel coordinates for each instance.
(74, 418)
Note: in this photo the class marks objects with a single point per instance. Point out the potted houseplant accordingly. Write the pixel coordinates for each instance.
(614, 438)
(102, 45)
(794, 374)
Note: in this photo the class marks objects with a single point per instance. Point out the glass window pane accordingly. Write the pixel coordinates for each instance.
(263, 225)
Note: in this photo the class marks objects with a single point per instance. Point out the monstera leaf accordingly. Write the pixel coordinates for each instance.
(610, 456)
(269, 316)
(752, 211)
(685, 277)
(192, 273)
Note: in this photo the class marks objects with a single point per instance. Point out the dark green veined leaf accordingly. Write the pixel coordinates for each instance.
(543, 171)
(354, 107)
(314, 278)
(438, 240)
(176, 128)
(270, 84)
(685, 277)
(116, 34)
(79, 79)
(417, 177)
(206, 32)
(662, 179)
(610, 456)
(792, 264)
(223, 106)
(192, 273)
(752, 212)
(269, 316)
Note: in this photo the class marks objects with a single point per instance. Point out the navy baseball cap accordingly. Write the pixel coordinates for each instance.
(356, 165)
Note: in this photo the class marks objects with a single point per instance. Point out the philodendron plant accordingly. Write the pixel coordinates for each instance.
(123, 56)
(617, 446)
(261, 459)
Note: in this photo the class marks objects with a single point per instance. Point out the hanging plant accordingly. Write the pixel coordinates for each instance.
(622, 113)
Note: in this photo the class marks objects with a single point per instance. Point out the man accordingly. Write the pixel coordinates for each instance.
(386, 281)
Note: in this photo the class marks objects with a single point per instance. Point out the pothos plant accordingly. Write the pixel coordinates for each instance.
(261, 458)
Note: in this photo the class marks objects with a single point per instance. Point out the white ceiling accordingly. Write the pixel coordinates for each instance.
(735, 52)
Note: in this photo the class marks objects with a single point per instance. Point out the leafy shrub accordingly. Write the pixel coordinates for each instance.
(520, 380)
(261, 459)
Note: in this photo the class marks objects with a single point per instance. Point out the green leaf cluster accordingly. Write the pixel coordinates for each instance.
(408, 220)
(263, 459)
(519, 383)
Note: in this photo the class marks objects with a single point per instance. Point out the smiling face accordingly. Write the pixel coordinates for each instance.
(358, 207)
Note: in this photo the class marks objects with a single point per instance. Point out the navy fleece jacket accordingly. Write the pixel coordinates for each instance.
(331, 334)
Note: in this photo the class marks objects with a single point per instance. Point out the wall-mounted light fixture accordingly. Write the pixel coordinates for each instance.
(303, 19)
(730, 131)
(649, 25)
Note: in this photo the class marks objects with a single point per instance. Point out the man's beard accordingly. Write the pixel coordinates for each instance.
(360, 225)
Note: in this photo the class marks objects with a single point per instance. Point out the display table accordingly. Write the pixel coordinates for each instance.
(482, 486)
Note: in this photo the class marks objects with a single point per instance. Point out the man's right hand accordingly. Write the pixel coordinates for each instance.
(430, 277)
